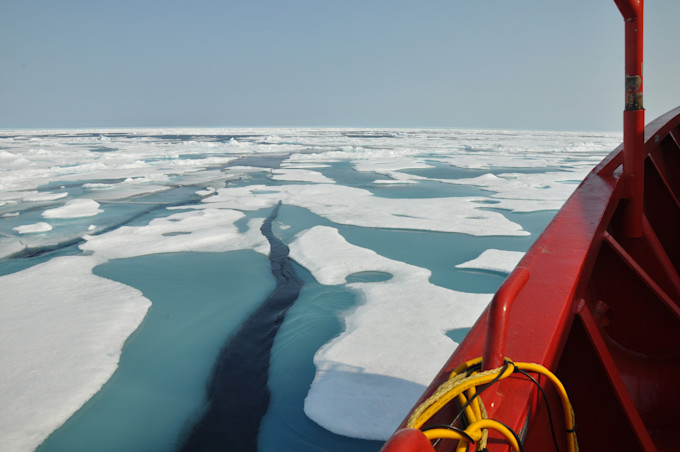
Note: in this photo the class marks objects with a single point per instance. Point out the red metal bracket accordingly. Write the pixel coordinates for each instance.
(499, 313)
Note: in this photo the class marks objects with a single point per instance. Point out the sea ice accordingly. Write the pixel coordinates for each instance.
(60, 341)
(522, 192)
(62, 328)
(300, 175)
(209, 230)
(75, 208)
(9, 246)
(495, 260)
(355, 206)
(33, 228)
(45, 196)
(369, 376)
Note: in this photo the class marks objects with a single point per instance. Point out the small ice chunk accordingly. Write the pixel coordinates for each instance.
(45, 196)
(97, 186)
(300, 175)
(76, 208)
(207, 191)
(495, 260)
(33, 228)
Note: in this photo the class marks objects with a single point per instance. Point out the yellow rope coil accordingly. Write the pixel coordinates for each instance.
(462, 387)
(449, 390)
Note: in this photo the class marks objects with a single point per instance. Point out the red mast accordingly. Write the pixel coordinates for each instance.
(633, 116)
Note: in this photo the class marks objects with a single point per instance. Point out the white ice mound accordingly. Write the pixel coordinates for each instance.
(61, 333)
(393, 345)
(41, 226)
(208, 230)
(76, 208)
(522, 192)
(495, 260)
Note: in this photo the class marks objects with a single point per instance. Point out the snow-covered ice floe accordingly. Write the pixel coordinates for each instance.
(62, 333)
(369, 376)
(75, 208)
(208, 230)
(33, 228)
(359, 207)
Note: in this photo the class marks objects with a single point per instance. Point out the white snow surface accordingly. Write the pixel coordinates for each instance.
(208, 230)
(33, 228)
(495, 260)
(521, 192)
(75, 208)
(10, 246)
(60, 341)
(368, 377)
(44, 196)
(300, 175)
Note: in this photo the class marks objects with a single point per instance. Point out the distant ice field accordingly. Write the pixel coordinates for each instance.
(129, 258)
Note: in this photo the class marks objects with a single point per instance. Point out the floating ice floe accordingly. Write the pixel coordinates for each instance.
(122, 190)
(60, 341)
(209, 230)
(208, 191)
(494, 260)
(355, 206)
(368, 377)
(45, 196)
(300, 175)
(33, 228)
(76, 208)
(526, 192)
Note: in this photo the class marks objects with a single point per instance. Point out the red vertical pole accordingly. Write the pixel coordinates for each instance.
(633, 116)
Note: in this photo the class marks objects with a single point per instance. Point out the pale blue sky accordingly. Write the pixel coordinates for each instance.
(534, 64)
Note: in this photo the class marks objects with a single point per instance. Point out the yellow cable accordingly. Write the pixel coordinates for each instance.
(465, 366)
(444, 433)
(566, 404)
(471, 393)
(475, 431)
(469, 411)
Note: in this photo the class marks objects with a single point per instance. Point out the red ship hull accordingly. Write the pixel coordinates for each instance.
(600, 309)
(596, 300)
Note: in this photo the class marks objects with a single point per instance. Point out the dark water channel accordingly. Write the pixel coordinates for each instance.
(238, 396)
